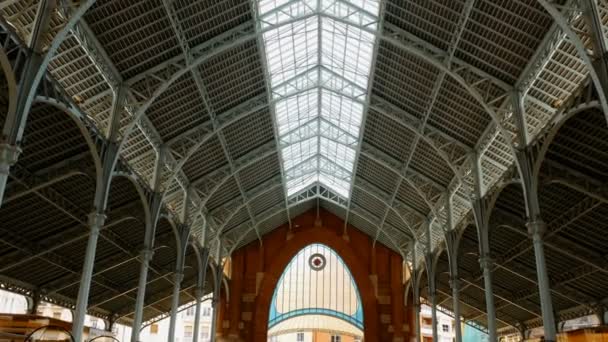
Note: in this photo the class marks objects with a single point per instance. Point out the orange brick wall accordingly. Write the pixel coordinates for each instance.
(256, 269)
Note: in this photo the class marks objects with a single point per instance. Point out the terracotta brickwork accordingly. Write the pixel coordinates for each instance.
(256, 269)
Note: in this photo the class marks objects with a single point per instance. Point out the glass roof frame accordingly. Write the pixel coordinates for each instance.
(319, 56)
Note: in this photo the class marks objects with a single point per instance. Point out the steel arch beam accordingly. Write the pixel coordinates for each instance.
(273, 184)
(373, 193)
(600, 81)
(260, 154)
(198, 80)
(281, 208)
(81, 121)
(250, 159)
(544, 143)
(16, 121)
(9, 75)
(242, 35)
(438, 84)
(412, 49)
(405, 119)
(206, 137)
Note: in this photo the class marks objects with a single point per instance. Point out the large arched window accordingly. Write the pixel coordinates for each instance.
(316, 292)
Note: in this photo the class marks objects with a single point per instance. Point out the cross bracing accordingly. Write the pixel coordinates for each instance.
(318, 128)
(446, 106)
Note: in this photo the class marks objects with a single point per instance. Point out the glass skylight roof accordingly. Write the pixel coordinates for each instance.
(319, 56)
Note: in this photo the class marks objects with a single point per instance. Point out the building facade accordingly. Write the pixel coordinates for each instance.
(445, 325)
(158, 331)
(314, 336)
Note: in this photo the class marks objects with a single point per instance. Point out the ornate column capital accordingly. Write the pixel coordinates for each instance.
(536, 227)
(455, 282)
(8, 157)
(96, 221)
(486, 261)
(199, 292)
(147, 254)
(178, 276)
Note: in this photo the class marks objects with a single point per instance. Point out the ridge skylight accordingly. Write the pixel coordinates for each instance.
(318, 55)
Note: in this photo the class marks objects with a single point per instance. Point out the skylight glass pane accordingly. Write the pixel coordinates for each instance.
(298, 152)
(296, 110)
(342, 111)
(318, 55)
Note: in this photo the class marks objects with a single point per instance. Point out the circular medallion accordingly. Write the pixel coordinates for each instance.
(317, 262)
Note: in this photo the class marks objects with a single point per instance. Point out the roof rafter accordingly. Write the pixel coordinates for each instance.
(467, 8)
(241, 34)
(198, 80)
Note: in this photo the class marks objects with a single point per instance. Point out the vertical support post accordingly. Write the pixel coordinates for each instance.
(110, 323)
(217, 291)
(536, 229)
(148, 251)
(432, 293)
(452, 243)
(430, 270)
(146, 257)
(486, 263)
(416, 310)
(95, 222)
(200, 286)
(416, 293)
(8, 157)
(481, 214)
(600, 311)
(455, 283)
(14, 124)
(521, 328)
(178, 277)
(35, 301)
(434, 312)
(197, 314)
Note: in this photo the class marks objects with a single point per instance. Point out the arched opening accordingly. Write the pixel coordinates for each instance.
(273, 261)
(316, 296)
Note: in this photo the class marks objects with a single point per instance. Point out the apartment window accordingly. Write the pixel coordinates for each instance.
(300, 337)
(207, 311)
(154, 329)
(336, 338)
(190, 311)
(445, 328)
(188, 332)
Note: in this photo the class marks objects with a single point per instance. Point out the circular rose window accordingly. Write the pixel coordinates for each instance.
(317, 262)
